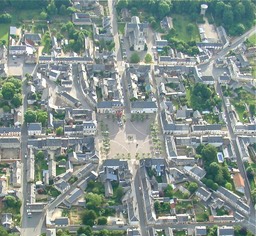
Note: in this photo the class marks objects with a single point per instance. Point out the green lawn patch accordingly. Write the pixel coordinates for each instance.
(4, 30)
(180, 23)
(121, 27)
(60, 170)
(40, 165)
(180, 233)
(252, 39)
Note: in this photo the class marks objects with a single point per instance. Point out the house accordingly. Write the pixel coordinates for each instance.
(61, 221)
(73, 197)
(109, 107)
(35, 38)
(238, 182)
(225, 231)
(81, 19)
(6, 220)
(200, 231)
(16, 174)
(195, 172)
(203, 194)
(209, 80)
(143, 107)
(224, 79)
(34, 129)
(136, 33)
(166, 23)
(243, 61)
(13, 31)
(10, 131)
(17, 50)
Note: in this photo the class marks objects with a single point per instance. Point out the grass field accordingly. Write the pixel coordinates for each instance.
(17, 18)
(4, 29)
(252, 39)
(180, 23)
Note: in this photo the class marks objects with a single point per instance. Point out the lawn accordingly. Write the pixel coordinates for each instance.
(17, 18)
(252, 39)
(180, 23)
(60, 170)
(121, 27)
(4, 30)
(40, 165)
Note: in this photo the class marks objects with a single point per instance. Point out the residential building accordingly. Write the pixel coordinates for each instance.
(225, 231)
(81, 19)
(200, 231)
(238, 182)
(196, 172)
(109, 107)
(6, 220)
(143, 107)
(203, 194)
(34, 129)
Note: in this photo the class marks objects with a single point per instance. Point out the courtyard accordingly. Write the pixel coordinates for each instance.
(132, 140)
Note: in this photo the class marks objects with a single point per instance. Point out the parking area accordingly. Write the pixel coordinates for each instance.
(130, 140)
(17, 67)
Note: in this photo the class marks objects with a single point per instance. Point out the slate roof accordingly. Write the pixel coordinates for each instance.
(34, 126)
(142, 104)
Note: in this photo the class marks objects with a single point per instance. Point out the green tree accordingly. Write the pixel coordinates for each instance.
(51, 8)
(192, 187)
(135, 58)
(10, 201)
(42, 117)
(3, 231)
(168, 191)
(40, 155)
(119, 193)
(30, 116)
(43, 15)
(190, 28)
(87, 230)
(228, 186)
(17, 100)
(8, 90)
(163, 9)
(89, 217)
(250, 173)
(102, 220)
(209, 154)
(59, 131)
(148, 58)
(94, 200)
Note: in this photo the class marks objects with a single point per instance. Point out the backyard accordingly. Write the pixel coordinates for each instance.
(180, 23)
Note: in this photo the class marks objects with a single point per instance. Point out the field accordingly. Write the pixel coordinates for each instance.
(180, 23)
(252, 39)
(17, 18)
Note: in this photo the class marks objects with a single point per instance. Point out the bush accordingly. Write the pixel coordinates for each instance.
(135, 58)
(102, 220)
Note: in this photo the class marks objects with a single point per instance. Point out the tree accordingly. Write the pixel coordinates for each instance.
(43, 15)
(148, 58)
(59, 131)
(163, 9)
(168, 191)
(193, 186)
(51, 8)
(3, 231)
(250, 173)
(40, 155)
(190, 28)
(89, 217)
(135, 58)
(252, 109)
(87, 230)
(42, 117)
(8, 90)
(10, 201)
(17, 100)
(228, 186)
(102, 220)
(94, 200)
(119, 193)
(30, 116)
(209, 154)
(157, 206)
